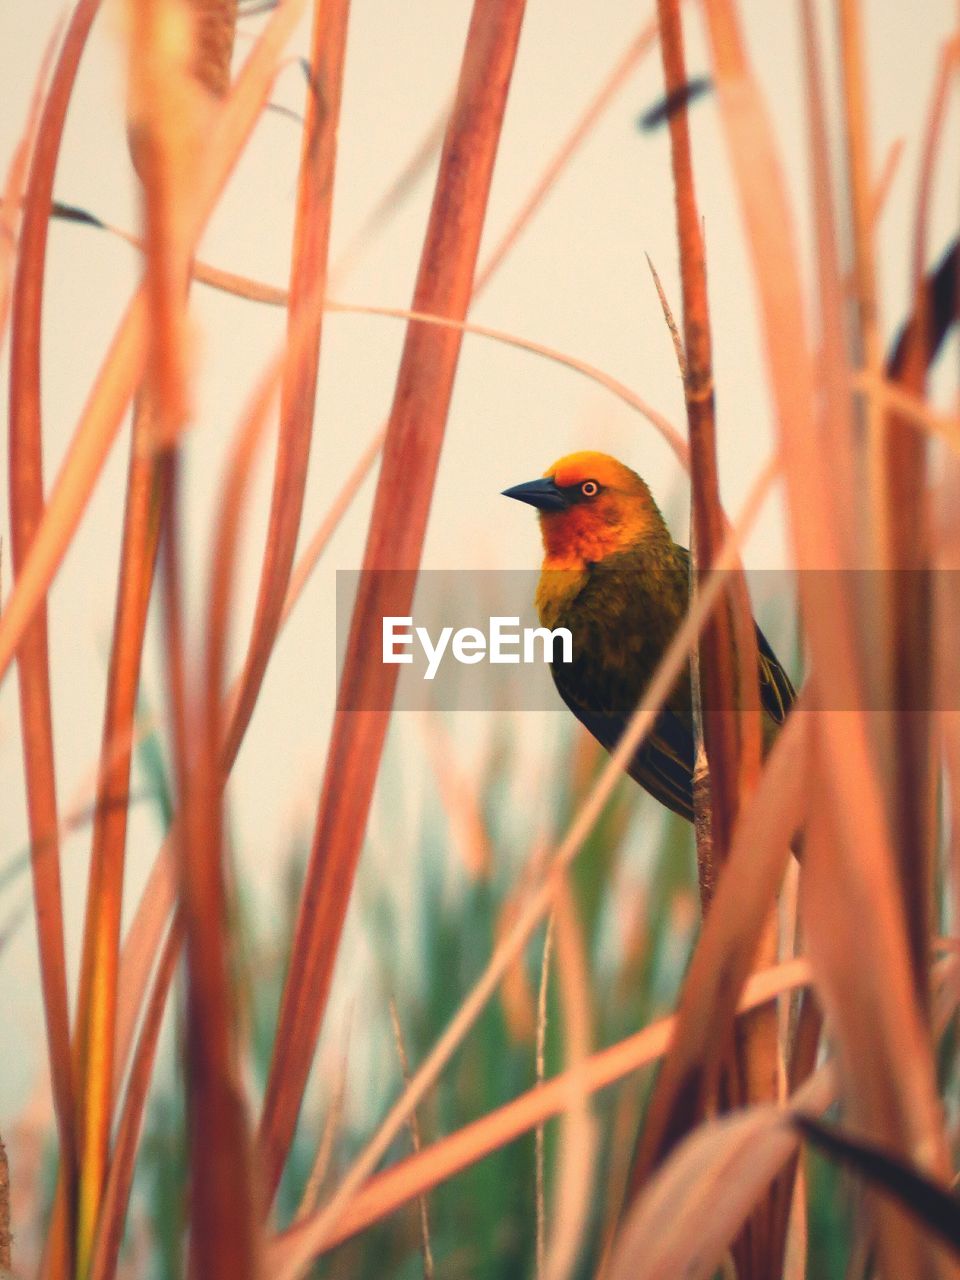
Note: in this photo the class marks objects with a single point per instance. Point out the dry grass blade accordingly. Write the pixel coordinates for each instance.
(911, 634)
(695, 1205)
(223, 1237)
(292, 1250)
(116, 1194)
(539, 1153)
(518, 997)
(541, 900)
(325, 1147)
(5, 1260)
(395, 539)
(225, 1213)
(308, 272)
(801, 1053)
(164, 127)
(123, 365)
(671, 323)
(797, 1242)
(26, 516)
(464, 812)
(728, 943)
(16, 181)
(576, 1159)
(910, 409)
(139, 953)
(254, 290)
(97, 998)
(415, 1142)
(884, 183)
(208, 57)
(613, 385)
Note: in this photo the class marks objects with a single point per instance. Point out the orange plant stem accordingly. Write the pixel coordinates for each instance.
(26, 510)
(717, 648)
(97, 999)
(109, 1234)
(732, 742)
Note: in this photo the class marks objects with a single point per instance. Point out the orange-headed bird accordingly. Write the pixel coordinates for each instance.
(613, 575)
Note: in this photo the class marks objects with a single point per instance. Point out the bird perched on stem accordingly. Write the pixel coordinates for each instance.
(613, 575)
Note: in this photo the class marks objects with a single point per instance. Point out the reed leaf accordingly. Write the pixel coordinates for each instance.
(26, 516)
(293, 1249)
(121, 370)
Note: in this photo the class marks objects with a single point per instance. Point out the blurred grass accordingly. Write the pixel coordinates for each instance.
(431, 929)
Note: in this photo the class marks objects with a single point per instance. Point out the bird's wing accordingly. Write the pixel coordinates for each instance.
(777, 694)
(662, 764)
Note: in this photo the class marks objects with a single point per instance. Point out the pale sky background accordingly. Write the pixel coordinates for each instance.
(577, 281)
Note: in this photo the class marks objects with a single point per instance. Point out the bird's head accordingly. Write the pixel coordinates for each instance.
(590, 506)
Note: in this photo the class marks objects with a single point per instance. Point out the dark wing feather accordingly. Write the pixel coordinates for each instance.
(663, 763)
(777, 694)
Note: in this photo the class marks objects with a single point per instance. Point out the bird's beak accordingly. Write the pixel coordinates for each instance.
(542, 494)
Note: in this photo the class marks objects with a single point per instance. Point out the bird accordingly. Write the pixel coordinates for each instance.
(613, 575)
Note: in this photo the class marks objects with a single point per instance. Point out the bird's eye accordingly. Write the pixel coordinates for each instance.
(589, 488)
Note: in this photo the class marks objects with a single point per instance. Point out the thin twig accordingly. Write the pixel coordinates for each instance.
(4, 1208)
(541, 1073)
(321, 1161)
(413, 1124)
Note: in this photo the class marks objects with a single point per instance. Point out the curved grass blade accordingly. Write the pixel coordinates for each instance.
(123, 365)
(308, 273)
(933, 1205)
(26, 516)
(696, 1204)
